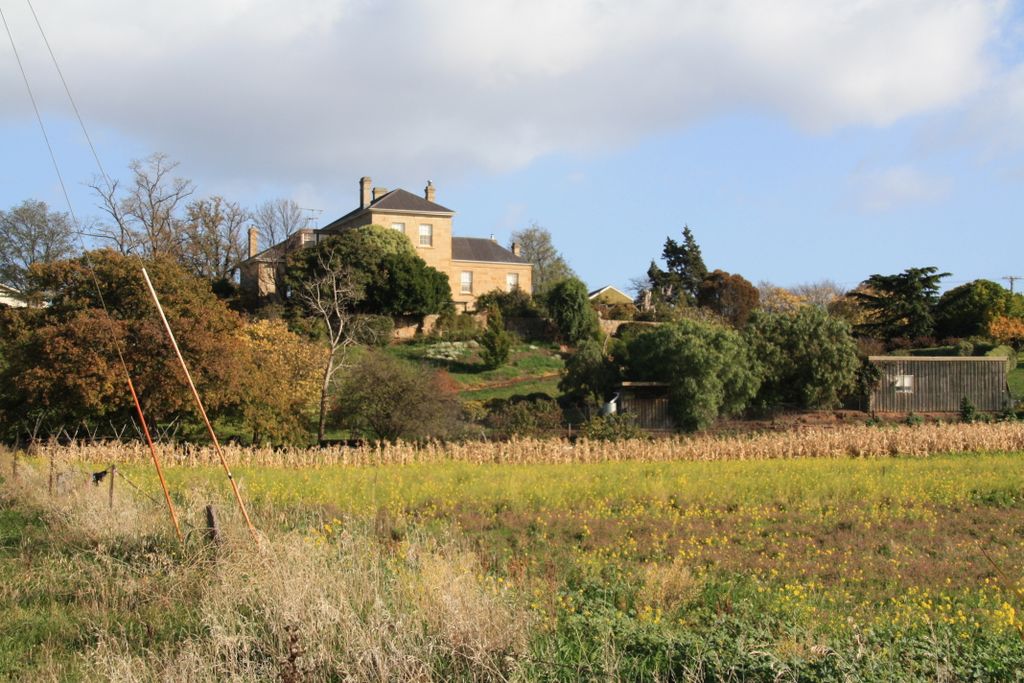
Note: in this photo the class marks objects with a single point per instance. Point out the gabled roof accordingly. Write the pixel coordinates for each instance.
(398, 201)
(610, 290)
(482, 249)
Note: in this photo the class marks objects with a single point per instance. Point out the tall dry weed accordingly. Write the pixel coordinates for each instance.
(312, 606)
(855, 441)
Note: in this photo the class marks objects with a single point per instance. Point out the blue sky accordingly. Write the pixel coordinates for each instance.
(799, 140)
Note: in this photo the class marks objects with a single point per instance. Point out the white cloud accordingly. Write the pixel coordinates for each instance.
(329, 90)
(889, 188)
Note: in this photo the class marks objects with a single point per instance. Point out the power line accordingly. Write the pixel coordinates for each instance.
(67, 90)
(1011, 279)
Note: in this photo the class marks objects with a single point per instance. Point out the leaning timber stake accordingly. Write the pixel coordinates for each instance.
(199, 403)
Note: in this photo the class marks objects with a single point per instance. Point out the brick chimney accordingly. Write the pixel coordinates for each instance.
(515, 248)
(254, 242)
(364, 191)
(428, 191)
(379, 192)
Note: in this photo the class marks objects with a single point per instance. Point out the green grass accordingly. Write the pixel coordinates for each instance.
(526, 362)
(810, 569)
(541, 386)
(1016, 381)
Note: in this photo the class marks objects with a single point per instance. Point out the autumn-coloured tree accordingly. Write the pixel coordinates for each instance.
(730, 296)
(775, 299)
(62, 359)
(1007, 330)
(280, 381)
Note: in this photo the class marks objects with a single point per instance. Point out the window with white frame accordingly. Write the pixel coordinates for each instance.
(426, 235)
(904, 384)
(400, 227)
(466, 282)
(512, 281)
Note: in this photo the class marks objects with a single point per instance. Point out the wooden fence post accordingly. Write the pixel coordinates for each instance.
(113, 473)
(212, 528)
(14, 467)
(50, 485)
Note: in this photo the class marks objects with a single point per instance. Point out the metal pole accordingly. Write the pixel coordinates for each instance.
(199, 404)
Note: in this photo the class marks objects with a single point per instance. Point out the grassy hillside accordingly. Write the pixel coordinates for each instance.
(530, 368)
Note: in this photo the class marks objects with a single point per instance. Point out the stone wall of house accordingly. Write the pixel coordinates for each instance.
(486, 278)
(439, 254)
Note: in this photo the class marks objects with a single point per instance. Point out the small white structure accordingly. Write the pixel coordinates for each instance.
(11, 297)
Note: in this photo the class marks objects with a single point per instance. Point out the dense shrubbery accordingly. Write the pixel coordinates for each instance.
(386, 398)
(807, 358)
(533, 415)
(708, 368)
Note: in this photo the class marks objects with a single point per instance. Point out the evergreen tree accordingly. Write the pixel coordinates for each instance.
(900, 305)
(680, 283)
(495, 342)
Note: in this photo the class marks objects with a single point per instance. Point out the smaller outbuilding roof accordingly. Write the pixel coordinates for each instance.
(482, 249)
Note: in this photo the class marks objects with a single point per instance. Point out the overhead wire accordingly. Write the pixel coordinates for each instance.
(74, 218)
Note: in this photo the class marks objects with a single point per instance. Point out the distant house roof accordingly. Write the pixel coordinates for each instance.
(610, 295)
(482, 249)
(399, 201)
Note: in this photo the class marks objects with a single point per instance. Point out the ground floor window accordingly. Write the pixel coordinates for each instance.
(466, 282)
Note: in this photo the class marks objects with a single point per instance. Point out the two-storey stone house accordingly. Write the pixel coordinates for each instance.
(473, 265)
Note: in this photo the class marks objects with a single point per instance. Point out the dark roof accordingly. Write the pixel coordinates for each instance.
(407, 202)
(396, 200)
(481, 249)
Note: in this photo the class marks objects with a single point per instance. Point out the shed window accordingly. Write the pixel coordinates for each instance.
(904, 384)
(426, 235)
(466, 282)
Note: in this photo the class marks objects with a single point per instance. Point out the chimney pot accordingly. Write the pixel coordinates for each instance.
(493, 238)
(364, 191)
(428, 192)
(515, 248)
(254, 242)
(379, 192)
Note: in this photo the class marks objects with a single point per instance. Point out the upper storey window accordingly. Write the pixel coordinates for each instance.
(426, 235)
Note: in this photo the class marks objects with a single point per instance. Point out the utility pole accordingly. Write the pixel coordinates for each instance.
(1011, 279)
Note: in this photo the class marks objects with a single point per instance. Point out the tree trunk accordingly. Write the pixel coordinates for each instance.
(324, 390)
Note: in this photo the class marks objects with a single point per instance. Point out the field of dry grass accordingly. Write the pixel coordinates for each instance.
(812, 442)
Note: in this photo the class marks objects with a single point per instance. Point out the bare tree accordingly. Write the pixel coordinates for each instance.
(31, 233)
(145, 213)
(330, 294)
(277, 219)
(536, 247)
(213, 233)
(820, 294)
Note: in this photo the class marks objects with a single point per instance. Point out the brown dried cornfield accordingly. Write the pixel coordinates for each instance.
(837, 442)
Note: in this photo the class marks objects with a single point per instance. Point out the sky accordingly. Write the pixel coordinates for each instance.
(800, 140)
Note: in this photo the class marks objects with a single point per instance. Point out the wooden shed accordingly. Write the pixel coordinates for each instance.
(931, 384)
(647, 402)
